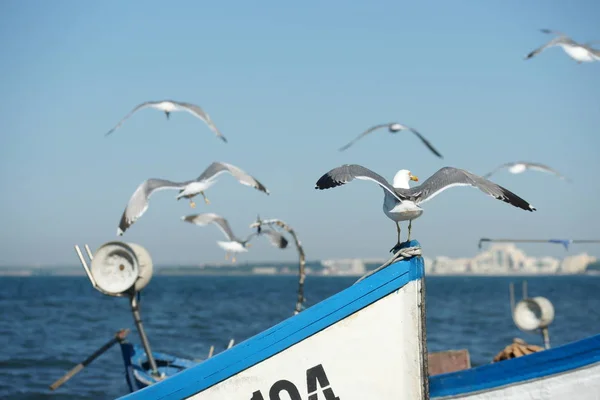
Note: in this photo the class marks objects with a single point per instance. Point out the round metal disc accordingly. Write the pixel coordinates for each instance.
(145, 266)
(115, 268)
(527, 315)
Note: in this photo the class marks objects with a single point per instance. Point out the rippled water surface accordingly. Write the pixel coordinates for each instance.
(49, 324)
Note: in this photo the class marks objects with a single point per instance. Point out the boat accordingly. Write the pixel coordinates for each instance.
(568, 371)
(138, 372)
(367, 341)
(343, 347)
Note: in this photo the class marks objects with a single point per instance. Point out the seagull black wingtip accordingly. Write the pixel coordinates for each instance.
(326, 182)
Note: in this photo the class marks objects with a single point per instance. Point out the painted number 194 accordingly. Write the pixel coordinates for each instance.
(314, 376)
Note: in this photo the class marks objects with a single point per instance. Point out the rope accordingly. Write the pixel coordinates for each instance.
(402, 254)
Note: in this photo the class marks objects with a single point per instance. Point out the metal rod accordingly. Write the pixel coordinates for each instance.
(301, 256)
(89, 252)
(301, 271)
(546, 336)
(135, 309)
(119, 336)
(85, 266)
(511, 291)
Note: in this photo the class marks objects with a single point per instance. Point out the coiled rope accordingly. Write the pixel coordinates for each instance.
(402, 254)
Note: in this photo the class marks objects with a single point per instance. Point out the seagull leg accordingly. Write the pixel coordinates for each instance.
(226, 256)
(167, 114)
(205, 199)
(192, 204)
(409, 228)
(233, 259)
(394, 249)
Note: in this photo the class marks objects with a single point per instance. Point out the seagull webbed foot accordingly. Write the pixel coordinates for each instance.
(192, 204)
(205, 198)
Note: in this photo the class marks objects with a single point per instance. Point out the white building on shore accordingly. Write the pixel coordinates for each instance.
(507, 259)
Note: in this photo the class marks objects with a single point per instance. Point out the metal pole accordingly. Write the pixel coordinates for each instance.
(302, 257)
(546, 337)
(85, 266)
(301, 272)
(135, 309)
(511, 291)
(119, 337)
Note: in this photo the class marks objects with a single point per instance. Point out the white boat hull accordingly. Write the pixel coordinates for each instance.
(354, 358)
(571, 371)
(365, 342)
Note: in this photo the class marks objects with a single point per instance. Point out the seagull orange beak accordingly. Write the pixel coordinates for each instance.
(413, 178)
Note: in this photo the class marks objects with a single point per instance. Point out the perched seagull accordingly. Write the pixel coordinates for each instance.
(578, 52)
(169, 106)
(401, 202)
(234, 244)
(521, 166)
(138, 203)
(393, 127)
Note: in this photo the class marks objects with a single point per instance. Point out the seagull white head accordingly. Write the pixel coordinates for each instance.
(395, 127)
(517, 168)
(402, 178)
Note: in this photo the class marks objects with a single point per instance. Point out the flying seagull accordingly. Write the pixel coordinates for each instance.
(234, 244)
(275, 238)
(138, 203)
(393, 127)
(168, 106)
(521, 166)
(402, 203)
(577, 51)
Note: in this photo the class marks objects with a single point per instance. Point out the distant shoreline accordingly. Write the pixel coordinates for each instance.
(49, 274)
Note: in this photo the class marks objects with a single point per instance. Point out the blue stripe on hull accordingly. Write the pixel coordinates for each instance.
(287, 333)
(564, 358)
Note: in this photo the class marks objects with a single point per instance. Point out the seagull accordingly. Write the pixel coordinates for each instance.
(234, 244)
(577, 51)
(138, 203)
(402, 203)
(276, 238)
(393, 127)
(521, 166)
(168, 106)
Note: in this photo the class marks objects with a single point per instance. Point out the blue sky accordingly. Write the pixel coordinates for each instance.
(288, 84)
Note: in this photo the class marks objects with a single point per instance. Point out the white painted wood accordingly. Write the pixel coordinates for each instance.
(578, 384)
(374, 353)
